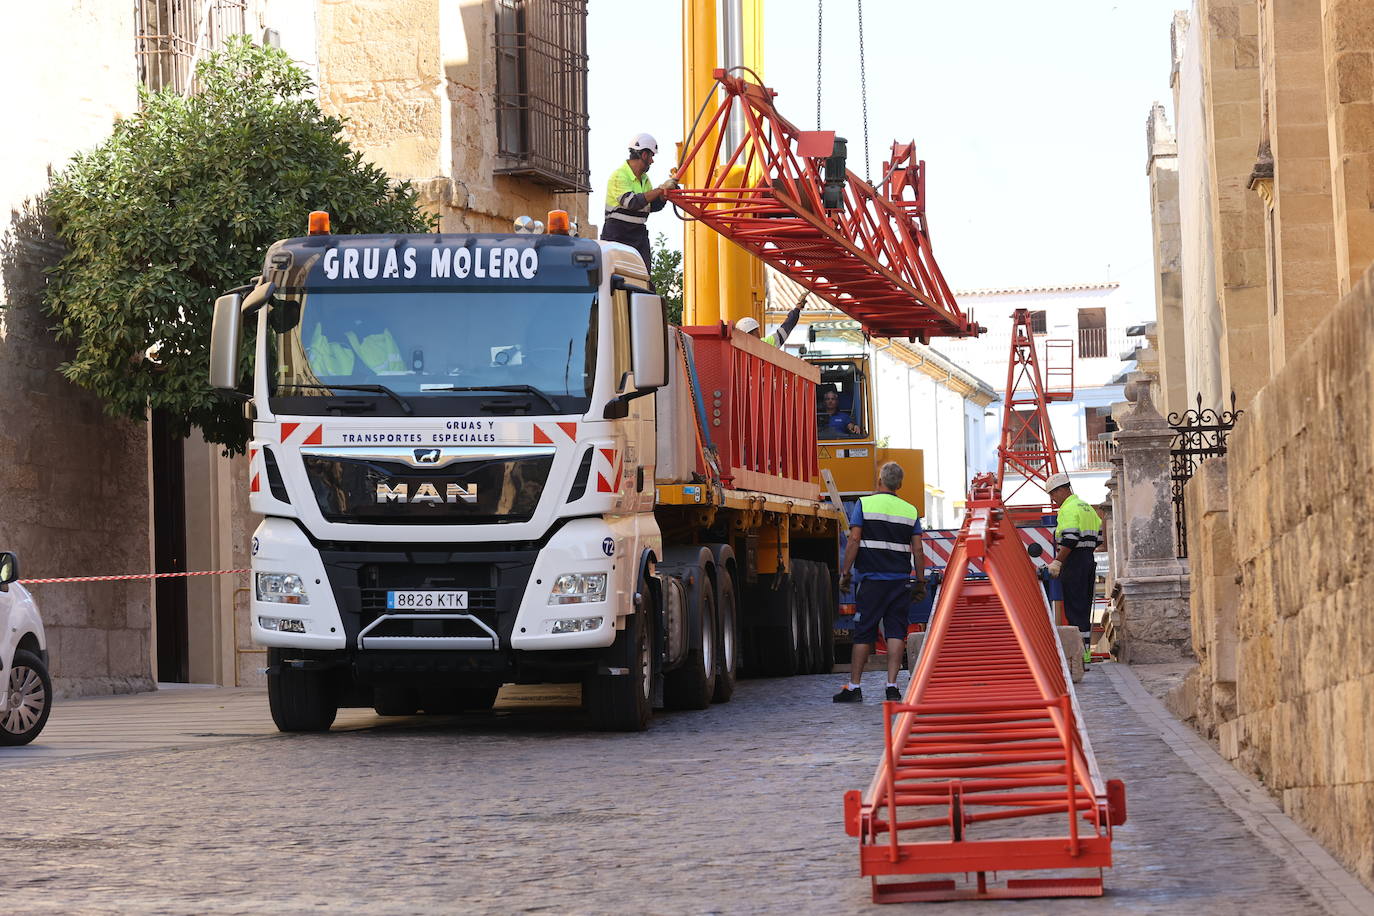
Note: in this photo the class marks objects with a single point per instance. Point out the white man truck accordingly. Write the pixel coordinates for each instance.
(487, 459)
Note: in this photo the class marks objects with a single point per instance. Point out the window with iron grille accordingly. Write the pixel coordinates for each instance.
(172, 35)
(541, 91)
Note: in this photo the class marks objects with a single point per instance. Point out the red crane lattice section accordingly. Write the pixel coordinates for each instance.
(988, 767)
(870, 257)
(1027, 454)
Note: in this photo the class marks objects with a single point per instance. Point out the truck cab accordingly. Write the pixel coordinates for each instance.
(453, 452)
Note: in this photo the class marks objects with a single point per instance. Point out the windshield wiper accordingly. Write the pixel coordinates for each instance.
(376, 389)
(521, 389)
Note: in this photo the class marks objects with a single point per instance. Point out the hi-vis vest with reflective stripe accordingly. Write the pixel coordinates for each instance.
(622, 186)
(885, 542)
(1078, 525)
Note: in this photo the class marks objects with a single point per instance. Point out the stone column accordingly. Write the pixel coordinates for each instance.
(1302, 242)
(1231, 108)
(1154, 622)
(1348, 59)
(1162, 168)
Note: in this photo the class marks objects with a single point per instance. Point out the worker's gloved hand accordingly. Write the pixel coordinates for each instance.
(669, 185)
(845, 580)
(918, 590)
(1054, 569)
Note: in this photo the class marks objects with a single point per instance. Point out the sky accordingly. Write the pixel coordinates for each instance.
(1030, 117)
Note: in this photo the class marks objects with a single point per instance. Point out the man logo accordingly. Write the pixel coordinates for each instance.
(427, 455)
(427, 493)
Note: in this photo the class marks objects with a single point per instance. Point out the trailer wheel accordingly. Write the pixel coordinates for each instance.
(728, 644)
(780, 648)
(301, 699)
(624, 702)
(821, 638)
(830, 610)
(806, 602)
(692, 685)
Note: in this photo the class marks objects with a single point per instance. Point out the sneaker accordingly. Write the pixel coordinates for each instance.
(849, 696)
(894, 694)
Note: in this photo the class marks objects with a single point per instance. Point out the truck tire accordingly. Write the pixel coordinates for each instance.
(830, 610)
(780, 648)
(301, 699)
(728, 638)
(624, 702)
(693, 684)
(30, 690)
(806, 662)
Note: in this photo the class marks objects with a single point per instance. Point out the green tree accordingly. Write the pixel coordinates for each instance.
(179, 205)
(667, 276)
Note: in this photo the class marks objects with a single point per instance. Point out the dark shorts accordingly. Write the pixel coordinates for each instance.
(884, 601)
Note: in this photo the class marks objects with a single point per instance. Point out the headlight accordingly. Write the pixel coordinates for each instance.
(283, 588)
(578, 588)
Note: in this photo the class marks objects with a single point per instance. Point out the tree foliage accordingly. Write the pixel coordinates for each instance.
(178, 206)
(667, 276)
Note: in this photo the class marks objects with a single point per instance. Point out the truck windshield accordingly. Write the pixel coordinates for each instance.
(421, 343)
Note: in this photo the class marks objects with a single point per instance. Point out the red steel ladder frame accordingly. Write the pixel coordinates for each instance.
(870, 257)
(986, 766)
(1027, 453)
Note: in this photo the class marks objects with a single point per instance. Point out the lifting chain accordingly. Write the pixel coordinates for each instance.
(820, 22)
(863, 91)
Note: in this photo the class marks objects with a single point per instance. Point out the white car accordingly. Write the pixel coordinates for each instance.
(25, 687)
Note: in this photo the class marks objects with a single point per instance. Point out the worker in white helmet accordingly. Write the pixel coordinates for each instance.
(1077, 532)
(630, 198)
(779, 337)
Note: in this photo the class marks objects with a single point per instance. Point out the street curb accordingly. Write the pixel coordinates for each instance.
(1338, 891)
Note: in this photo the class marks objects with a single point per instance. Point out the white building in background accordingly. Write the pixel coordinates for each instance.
(1094, 323)
(922, 400)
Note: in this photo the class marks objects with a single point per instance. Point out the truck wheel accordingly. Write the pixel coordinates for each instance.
(830, 609)
(301, 699)
(396, 701)
(30, 690)
(624, 702)
(818, 581)
(728, 641)
(781, 648)
(692, 685)
(806, 661)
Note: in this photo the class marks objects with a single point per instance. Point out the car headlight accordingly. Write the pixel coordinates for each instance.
(283, 588)
(578, 588)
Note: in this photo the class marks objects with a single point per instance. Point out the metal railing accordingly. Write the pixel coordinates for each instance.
(170, 36)
(1092, 343)
(541, 91)
(1199, 434)
(1093, 456)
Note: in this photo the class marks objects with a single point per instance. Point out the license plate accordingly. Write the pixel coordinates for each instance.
(427, 601)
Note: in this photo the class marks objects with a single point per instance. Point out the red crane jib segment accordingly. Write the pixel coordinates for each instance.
(988, 768)
(870, 257)
(1027, 453)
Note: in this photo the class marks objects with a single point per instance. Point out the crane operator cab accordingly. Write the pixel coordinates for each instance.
(845, 431)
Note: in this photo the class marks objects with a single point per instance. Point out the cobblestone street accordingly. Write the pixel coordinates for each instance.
(189, 803)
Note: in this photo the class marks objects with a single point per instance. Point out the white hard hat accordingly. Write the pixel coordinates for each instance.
(747, 325)
(644, 141)
(1055, 482)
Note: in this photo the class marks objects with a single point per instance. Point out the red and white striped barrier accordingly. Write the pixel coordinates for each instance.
(168, 575)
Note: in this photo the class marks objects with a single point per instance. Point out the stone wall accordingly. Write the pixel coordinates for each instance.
(1300, 463)
(74, 483)
(416, 80)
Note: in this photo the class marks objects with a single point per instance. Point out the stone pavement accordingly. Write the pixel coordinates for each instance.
(187, 801)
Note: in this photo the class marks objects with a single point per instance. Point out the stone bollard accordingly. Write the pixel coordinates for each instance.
(914, 641)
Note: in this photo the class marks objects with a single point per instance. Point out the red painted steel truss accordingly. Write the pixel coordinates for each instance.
(988, 768)
(869, 257)
(1027, 454)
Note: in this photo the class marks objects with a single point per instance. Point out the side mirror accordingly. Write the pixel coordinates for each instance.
(9, 568)
(224, 342)
(649, 341)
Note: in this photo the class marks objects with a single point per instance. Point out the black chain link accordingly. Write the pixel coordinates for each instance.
(863, 91)
(820, 22)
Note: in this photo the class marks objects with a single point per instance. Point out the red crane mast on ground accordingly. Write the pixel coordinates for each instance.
(1027, 454)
